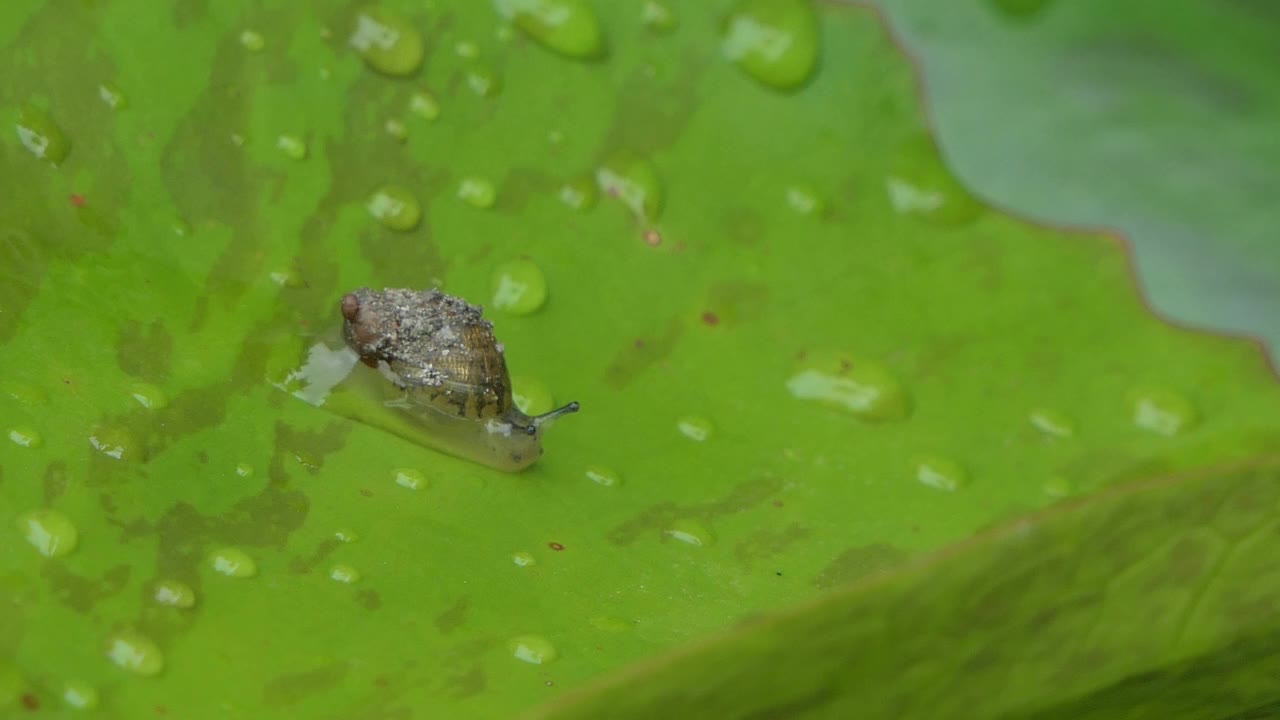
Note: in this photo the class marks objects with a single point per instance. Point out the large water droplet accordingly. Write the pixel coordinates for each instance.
(135, 652)
(519, 287)
(50, 532)
(523, 559)
(531, 396)
(533, 649)
(173, 593)
(1052, 422)
(116, 443)
(293, 147)
(233, 562)
(919, 184)
(568, 27)
(602, 475)
(477, 192)
(861, 387)
(633, 181)
(112, 96)
(148, 396)
(395, 207)
(80, 695)
(941, 473)
(695, 427)
(25, 436)
(387, 42)
(775, 41)
(344, 574)
(690, 532)
(410, 478)
(1161, 411)
(42, 136)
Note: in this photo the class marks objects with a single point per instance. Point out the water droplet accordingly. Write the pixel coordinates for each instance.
(285, 278)
(1057, 487)
(805, 200)
(531, 396)
(579, 194)
(533, 649)
(410, 478)
(42, 136)
(523, 559)
(80, 695)
(395, 207)
(26, 437)
(424, 105)
(148, 396)
(633, 181)
(940, 473)
(601, 475)
(690, 532)
(774, 41)
(396, 129)
(568, 27)
(519, 287)
(173, 593)
(477, 192)
(252, 40)
(1161, 411)
(1052, 422)
(346, 535)
(483, 81)
(116, 443)
(387, 42)
(50, 532)
(112, 96)
(237, 139)
(180, 228)
(292, 146)
(657, 16)
(861, 387)
(244, 470)
(695, 427)
(466, 49)
(921, 185)
(135, 652)
(344, 574)
(233, 562)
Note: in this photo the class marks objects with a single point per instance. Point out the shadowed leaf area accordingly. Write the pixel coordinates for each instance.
(805, 356)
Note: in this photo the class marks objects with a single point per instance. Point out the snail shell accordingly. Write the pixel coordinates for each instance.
(449, 373)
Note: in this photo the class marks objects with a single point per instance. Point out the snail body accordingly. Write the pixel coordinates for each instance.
(447, 375)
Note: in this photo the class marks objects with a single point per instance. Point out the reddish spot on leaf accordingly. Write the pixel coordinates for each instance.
(555, 546)
(30, 702)
(652, 238)
(77, 200)
(639, 343)
(710, 318)
(366, 492)
(777, 503)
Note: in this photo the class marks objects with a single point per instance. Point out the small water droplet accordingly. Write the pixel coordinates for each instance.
(602, 475)
(26, 437)
(396, 129)
(286, 278)
(395, 207)
(410, 478)
(244, 470)
(387, 42)
(861, 387)
(657, 16)
(42, 136)
(27, 394)
(135, 652)
(1058, 487)
(252, 40)
(634, 182)
(344, 574)
(346, 535)
(477, 192)
(774, 41)
(112, 96)
(805, 200)
(523, 559)
(173, 593)
(293, 147)
(180, 227)
(519, 287)
(533, 649)
(233, 562)
(1161, 411)
(483, 81)
(50, 532)
(424, 105)
(148, 396)
(579, 194)
(116, 443)
(690, 532)
(1052, 422)
(695, 427)
(466, 49)
(567, 27)
(940, 473)
(531, 396)
(921, 185)
(80, 695)
(238, 139)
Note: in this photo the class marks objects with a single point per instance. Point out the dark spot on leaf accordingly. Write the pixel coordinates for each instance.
(55, 481)
(293, 688)
(555, 546)
(858, 562)
(369, 599)
(472, 682)
(742, 496)
(766, 542)
(453, 617)
(82, 593)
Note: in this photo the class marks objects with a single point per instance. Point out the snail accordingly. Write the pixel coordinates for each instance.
(447, 373)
